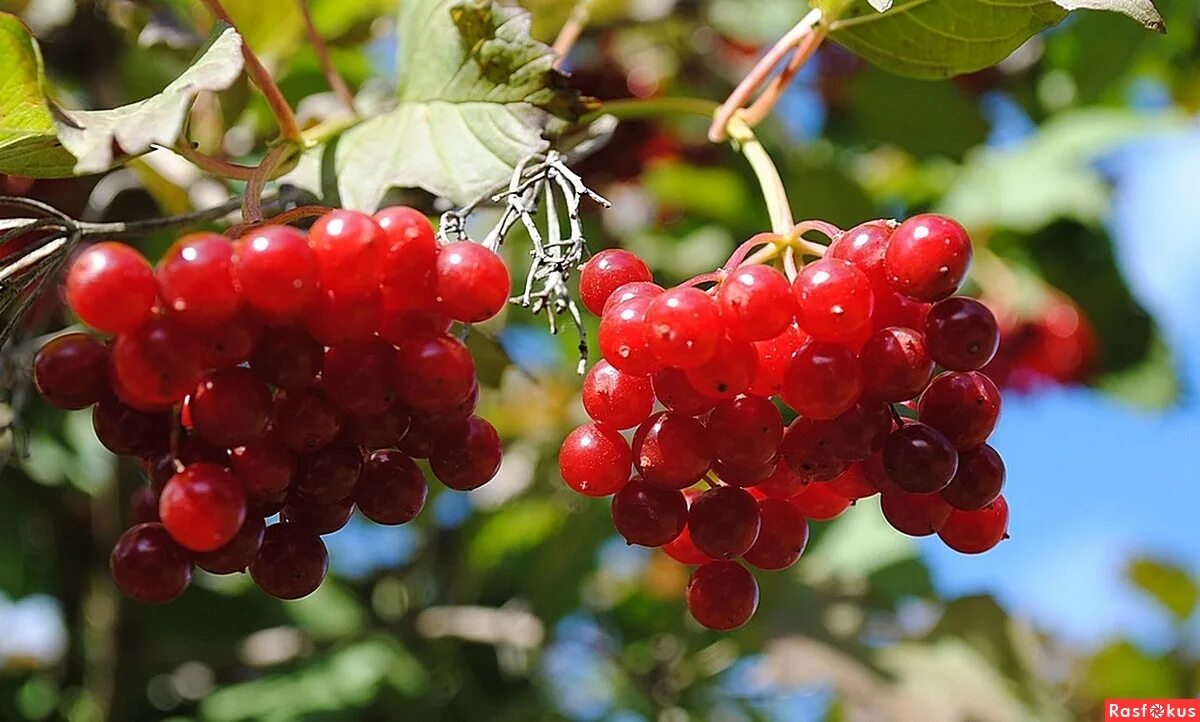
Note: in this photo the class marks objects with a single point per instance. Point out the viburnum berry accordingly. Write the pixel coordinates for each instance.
(392, 489)
(975, 532)
(230, 343)
(405, 316)
(336, 319)
(915, 514)
(624, 340)
(744, 475)
(774, 356)
(822, 380)
(358, 377)
(919, 459)
(756, 302)
(671, 450)
(111, 287)
(434, 373)
(203, 507)
(856, 434)
(231, 407)
(820, 502)
(782, 537)
(896, 365)
(615, 398)
(329, 475)
(865, 246)
(893, 308)
(805, 448)
(468, 460)
(291, 563)
(963, 406)
(834, 300)
(350, 248)
(722, 595)
(410, 251)
(264, 468)
(724, 522)
(128, 432)
(238, 553)
(683, 327)
(276, 271)
(648, 515)
(195, 280)
(630, 291)
(853, 483)
(380, 431)
(158, 362)
(288, 358)
(595, 460)
(472, 282)
(783, 483)
(745, 431)
(978, 481)
(607, 271)
(304, 420)
(149, 566)
(317, 517)
(963, 334)
(928, 257)
(683, 550)
(728, 373)
(71, 371)
(673, 390)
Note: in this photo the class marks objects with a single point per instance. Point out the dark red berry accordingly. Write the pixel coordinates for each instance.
(915, 514)
(963, 406)
(782, 537)
(231, 407)
(722, 595)
(673, 389)
(358, 377)
(805, 448)
(820, 502)
(265, 470)
(919, 458)
(238, 552)
(434, 373)
(317, 517)
(724, 522)
(159, 362)
(962, 334)
(470, 459)
(648, 515)
(392, 489)
(896, 365)
(328, 475)
(745, 431)
(288, 358)
(671, 450)
(291, 563)
(337, 319)
(304, 420)
(71, 371)
(978, 481)
(822, 380)
(149, 566)
(129, 432)
(861, 431)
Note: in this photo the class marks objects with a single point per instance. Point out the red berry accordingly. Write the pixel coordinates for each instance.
(962, 333)
(624, 340)
(71, 371)
(673, 389)
(728, 373)
(978, 481)
(975, 532)
(683, 327)
(722, 595)
(159, 362)
(865, 246)
(291, 563)
(358, 377)
(615, 398)
(745, 431)
(229, 343)
(231, 407)
(822, 380)
(896, 365)
(288, 358)
(329, 475)
(406, 315)
(594, 460)
(265, 470)
(392, 489)
(203, 507)
(305, 420)
(316, 517)
(820, 502)
(128, 432)
(744, 475)
(782, 538)
(111, 287)
(238, 552)
(470, 459)
(861, 431)
(648, 515)
(350, 248)
(853, 484)
(875, 474)
(424, 432)
(805, 448)
(630, 291)
(195, 280)
(143, 506)
(834, 300)
(336, 319)
(683, 550)
(963, 406)
(434, 373)
(276, 270)
(724, 522)
(774, 355)
(472, 282)
(410, 256)
(928, 257)
(149, 566)
(607, 271)
(381, 431)
(783, 483)
(915, 514)
(671, 450)
(919, 459)
(896, 309)
(756, 303)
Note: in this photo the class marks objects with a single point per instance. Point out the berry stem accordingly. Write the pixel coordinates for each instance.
(769, 179)
(252, 211)
(336, 82)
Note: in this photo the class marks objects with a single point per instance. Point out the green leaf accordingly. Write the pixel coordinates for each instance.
(518, 527)
(1169, 585)
(477, 94)
(941, 38)
(1121, 670)
(28, 142)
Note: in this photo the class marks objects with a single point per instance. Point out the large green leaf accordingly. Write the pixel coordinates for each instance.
(941, 38)
(28, 142)
(477, 94)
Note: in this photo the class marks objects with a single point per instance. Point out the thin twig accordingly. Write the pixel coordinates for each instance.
(571, 30)
(252, 201)
(336, 82)
(209, 164)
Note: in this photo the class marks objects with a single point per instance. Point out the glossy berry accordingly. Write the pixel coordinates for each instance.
(288, 358)
(128, 432)
(782, 537)
(673, 390)
(305, 420)
(783, 483)
(149, 566)
(231, 407)
(820, 502)
(159, 362)
(379, 431)
(595, 460)
(893, 308)
(277, 271)
(470, 459)
(358, 377)
(264, 468)
(978, 481)
(350, 248)
(671, 450)
(756, 303)
(623, 337)
(472, 282)
(722, 595)
(237, 553)
(230, 343)
(648, 515)
(963, 406)
(746, 430)
(630, 291)
(683, 327)
(683, 550)
(111, 287)
(318, 518)
(728, 373)
(975, 532)
(861, 431)
(865, 246)
(607, 271)
(724, 522)
(71, 371)
(434, 373)
(962, 334)
(928, 257)
(615, 398)
(203, 507)
(405, 317)
(822, 380)
(336, 319)
(195, 280)
(744, 475)
(329, 475)
(291, 563)
(853, 484)
(834, 300)
(774, 356)
(919, 458)
(392, 489)
(876, 475)
(805, 448)
(896, 364)
(410, 255)
(915, 514)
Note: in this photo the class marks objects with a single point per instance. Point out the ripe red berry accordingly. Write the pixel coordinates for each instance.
(648, 515)
(928, 257)
(861, 431)
(316, 517)
(683, 327)
(203, 507)
(820, 502)
(336, 319)
(195, 280)
(630, 291)
(683, 550)
(822, 380)
(288, 358)
(595, 460)
(304, 420)
(673, 389)
(405, 316)
(328, 475)
(865, 246)
(380, 431)
(276, 270)
(962, 333)
(71, 371)
(434, 373)
(744, 475)
(975, 532)
(231, 407)
(919, 458)
(149, 566)
(238, 552)
(893, 308)
(143, 506)
(291, 563)
(607, 271)
(229, 343)
(782, 537)
(853, 484)
(915, 514)
(774, 355)
(896, 365)
(963, 406)
(978, 481)
(265, 470)
(724, 522)
(358, 377)
(805, 448)
(472, 282)
(728, 373)
(350, 248)
(783, 483)
(470, 459)
(158, 362)
(722, 595)
(756, 303)
(128, 432)
(111, 287)
(410, 256)
(745, 431)
(834, 300)
(624, 340)
(615, 398)
(392, 489)
(671, 450)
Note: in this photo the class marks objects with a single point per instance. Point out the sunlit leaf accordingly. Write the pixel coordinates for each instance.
(28, 141)
(1168, 584)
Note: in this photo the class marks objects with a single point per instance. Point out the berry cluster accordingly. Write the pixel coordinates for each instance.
(282, 373)
(1057, 346)
(850, 345)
